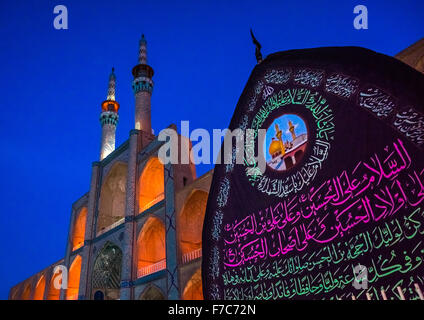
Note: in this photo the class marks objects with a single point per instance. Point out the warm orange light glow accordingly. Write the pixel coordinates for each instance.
(79, 229)
(110, 105)
(54, 294)
(14, 294)
(26, 294)
(151, 243)
(74, 279)
(193, 289)
(39, 288)
(190, 222)
(112, 197)
(151, 184)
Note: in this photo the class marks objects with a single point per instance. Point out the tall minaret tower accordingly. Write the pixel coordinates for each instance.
(109, 119)
(143, 86)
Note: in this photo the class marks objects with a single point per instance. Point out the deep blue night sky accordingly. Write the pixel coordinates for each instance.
(53, 81)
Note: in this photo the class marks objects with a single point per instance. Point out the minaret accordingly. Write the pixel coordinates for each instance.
(142, 86)
(279, 134)
(291, 129)
(109, 119)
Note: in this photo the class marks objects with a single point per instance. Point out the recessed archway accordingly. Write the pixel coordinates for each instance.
(289, 162)
(40, 288)
(151, 184)
(26, 294)
(112, 197)
(152, 293)
(79, 229)
(190, 225)
(74, 279)
(193, 289)
(106, 274)
(99, 295)
(54, 293)
(151, 250)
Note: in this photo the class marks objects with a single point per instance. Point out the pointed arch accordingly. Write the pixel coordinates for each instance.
(40, 288)
(112, 197)
(26, 293)
(152, 293)
(151, 184)
(193, 289)
(190, 225)
(74, 279)
(79, 229)
(54, 293)
(151, 250)
(106, 274)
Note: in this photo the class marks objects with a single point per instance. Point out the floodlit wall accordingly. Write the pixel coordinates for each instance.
(151, 184)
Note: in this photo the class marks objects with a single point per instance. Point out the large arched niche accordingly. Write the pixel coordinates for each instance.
(106, 274)
(54, 291)
(193, 288)
(151, 250)
(74, 279)
(152, 293)
(40, 288)
(151, 184)
(26, 293)
(79, 229)
(112, 197)
(190, 222)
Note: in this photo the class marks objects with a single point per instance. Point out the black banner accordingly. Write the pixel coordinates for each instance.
(339, 211)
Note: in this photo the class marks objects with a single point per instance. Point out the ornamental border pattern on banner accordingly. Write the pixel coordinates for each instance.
(406, 120)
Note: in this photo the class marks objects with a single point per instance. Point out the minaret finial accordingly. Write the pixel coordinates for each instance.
(258, 53)
(111, 86)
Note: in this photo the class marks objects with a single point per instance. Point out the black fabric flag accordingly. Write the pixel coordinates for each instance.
(339, 211)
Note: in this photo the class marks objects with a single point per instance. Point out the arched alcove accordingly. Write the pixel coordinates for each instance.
(193, 288)
(112, 197)
(152, 293)
(151, 184)
(39, 288)
(289, 162)
(54, 293)
(151, 250)
(106, 274)
(190, 225)
(99, 295)
(74, 279)
(79, 229)
(26, 293)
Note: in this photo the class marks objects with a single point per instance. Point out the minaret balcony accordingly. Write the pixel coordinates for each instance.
(142, 84)
(109, 117)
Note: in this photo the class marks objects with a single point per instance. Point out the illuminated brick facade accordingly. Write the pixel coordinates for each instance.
(124, 240)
